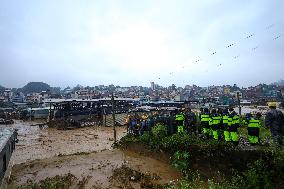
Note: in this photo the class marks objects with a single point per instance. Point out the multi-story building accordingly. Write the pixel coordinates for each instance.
(2, 98)
(8, 95)
(153, 86)
(18, 98)
(33, 98)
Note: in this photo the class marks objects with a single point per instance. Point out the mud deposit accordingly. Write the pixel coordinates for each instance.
(86, 154)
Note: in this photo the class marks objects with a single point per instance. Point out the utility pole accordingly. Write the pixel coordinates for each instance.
(49, 118)
(31, 112)
(104, 117)
(113, 117)
(239, 103)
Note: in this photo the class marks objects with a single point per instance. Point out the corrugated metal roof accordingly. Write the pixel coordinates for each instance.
(87, 100)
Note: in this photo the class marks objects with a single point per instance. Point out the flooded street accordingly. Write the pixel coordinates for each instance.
(86, 153)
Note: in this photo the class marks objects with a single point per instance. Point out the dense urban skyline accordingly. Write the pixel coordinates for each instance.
(279, 82)
(130, 43)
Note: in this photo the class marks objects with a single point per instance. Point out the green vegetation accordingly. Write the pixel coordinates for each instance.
(181, 161)
(215, 164)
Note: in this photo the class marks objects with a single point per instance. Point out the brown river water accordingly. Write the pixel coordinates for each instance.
(86, 153)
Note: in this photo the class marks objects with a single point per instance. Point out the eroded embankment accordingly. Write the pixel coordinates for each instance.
(205, 160)
(208, 161)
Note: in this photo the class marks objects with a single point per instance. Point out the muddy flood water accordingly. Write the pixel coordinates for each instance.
(86, 153)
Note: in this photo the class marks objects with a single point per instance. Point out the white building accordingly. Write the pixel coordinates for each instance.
(8, 95)
(177, 98)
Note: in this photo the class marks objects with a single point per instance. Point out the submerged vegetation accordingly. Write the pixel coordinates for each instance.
(215, 164)
(62, 182)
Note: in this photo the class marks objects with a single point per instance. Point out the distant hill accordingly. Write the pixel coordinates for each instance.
(35, 87)
(281, 82)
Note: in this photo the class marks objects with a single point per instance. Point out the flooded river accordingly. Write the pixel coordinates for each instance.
(86, 153)
(253, 110)
(35, 143)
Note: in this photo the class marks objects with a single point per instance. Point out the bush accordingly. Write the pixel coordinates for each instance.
(258, 175)
(146, 137)
(181, 161)
(157, 137)
(176, 142)
(126, 140)
(196, 182)
(159, 131)
(152, 138)
(184, 142)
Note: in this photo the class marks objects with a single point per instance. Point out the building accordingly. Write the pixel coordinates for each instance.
(8, 95)
(153, 87)
(39, 113)
(8, 138)
(33, 98)
(18, 98)
(245, 102)
(44, 95)
(177, 98)
(83, 94)
(37, 97)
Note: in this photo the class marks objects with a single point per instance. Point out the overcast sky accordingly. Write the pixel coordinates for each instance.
(133, 42)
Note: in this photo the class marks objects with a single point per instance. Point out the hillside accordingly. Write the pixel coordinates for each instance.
(35, 87)
(280, 83)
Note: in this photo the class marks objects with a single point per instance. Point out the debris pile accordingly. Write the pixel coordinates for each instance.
(63, 182)
(125, 177)
(6, 121)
